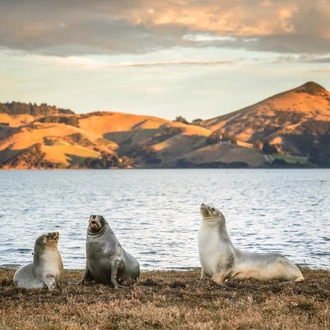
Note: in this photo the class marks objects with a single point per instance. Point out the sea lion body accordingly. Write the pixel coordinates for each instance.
(46, 270)
(220, 260)
(106, 260)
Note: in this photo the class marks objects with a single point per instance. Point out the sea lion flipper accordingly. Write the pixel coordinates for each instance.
(114, 270)
(202, 273)
(50, 282)
(115, 266)
(87, 277)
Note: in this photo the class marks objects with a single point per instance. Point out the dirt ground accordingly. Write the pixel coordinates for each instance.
(169, 300)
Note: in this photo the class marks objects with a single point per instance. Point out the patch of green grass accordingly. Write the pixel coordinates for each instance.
(290, 159)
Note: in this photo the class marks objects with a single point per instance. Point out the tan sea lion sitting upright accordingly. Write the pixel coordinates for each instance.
(46, 270)
(106, 261)
(222, 261)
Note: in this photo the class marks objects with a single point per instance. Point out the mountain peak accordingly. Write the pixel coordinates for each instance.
(311, 88)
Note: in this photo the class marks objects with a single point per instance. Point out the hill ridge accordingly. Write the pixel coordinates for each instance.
(291, 128)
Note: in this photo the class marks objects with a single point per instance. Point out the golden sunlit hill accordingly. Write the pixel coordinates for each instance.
(291, 129)
(292, 123)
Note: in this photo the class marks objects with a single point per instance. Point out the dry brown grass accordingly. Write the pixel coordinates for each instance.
(169, 300)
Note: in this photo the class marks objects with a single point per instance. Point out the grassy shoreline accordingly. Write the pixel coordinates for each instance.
(169, 300)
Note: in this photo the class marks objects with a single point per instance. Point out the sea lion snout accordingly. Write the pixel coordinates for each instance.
(93, 219)
(53, 235)
(56, 235)
(96, 223)
(204, 209)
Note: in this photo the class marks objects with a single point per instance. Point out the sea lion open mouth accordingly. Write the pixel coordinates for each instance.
(94, 226)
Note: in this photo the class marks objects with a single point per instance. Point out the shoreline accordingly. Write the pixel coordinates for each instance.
(174, 299)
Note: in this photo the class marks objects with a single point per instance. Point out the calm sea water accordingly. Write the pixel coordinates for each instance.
(155, 213)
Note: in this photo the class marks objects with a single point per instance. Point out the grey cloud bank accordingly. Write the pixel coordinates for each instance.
(70, 28)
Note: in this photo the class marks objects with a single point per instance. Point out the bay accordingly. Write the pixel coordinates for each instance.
(155, 213)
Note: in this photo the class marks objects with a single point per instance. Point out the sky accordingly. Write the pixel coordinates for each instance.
(193, 58)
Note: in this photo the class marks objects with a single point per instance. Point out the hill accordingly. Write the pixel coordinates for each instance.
(288, 129)
(295, 122)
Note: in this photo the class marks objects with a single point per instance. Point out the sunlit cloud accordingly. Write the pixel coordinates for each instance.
(62, 28)
(151, 56)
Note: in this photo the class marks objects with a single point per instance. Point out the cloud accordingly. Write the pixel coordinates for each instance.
(92, 64)
(302, 59)
(319, 60)
(166, 63)
(80, 27)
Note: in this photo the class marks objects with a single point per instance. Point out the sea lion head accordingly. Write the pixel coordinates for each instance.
(211, 215)
(48, 240)
(97, 224)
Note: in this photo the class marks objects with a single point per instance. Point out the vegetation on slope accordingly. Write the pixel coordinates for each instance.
(30, 158)
(294, 124)
(18, 108)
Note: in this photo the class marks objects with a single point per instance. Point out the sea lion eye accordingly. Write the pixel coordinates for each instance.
(213, 209)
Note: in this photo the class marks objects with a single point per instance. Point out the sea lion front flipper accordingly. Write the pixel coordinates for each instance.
(87, 277)
(50, 282)
(202, 273)
(115, 266)
(114, 271)
(223, 271)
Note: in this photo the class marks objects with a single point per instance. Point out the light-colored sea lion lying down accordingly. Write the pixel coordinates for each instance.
(222, 261)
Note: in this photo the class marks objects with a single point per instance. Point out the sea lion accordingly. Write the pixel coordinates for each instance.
(222, 261)
(106, 261)
(46, 270)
